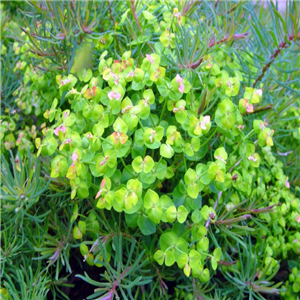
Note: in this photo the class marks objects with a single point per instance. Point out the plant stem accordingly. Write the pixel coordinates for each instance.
(209, 138)
(126, 167)
(215, 206)
(212, 43)
(104, 140)
(184, 161)
(141, 125)
(158, 163)
(137, 22)
(163, 111)
(282, 45)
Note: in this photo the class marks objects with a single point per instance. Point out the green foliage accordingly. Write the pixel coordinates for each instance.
(155, 143)
(120, 279)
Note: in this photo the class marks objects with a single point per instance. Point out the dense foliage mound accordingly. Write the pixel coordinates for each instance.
(150, 150)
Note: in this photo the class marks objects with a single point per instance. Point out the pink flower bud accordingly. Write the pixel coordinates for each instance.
(245, 102)
(126, 108)
(56, 131)
(102, 183)
(130, 74)
(221, 159)
(178, 78)
(112, 95)
(181, 88)
(249, 108)
(252, 157)
(146, 101)
(152, 136)
(229, 84)
(206, 120)
(98, 194)
(149, 57)
(259, 92)
(59, 128)
(74, 156)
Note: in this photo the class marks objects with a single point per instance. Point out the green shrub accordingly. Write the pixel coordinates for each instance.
(155, 144)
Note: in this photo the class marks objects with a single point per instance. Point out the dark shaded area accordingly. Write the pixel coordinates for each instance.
(81, 289)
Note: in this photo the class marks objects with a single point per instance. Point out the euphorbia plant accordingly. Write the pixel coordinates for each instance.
(133, 141)
(163, 159)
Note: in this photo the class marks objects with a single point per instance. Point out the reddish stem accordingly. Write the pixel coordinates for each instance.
(212, 43)
(137, 22)
(282, 45)
(134, 14)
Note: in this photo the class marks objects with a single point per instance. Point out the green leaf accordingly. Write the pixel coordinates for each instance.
(82, 190)
(221, 154)
(140, 40)
(169, 258)
(198, 231)
(84, 250)
(183, 260)
(166, 151)
(120, 126)
(155, 213)
(181, 116)
(137, 164)
(104, 42)
(196, 216)
(226, 106)
(147, 178)
(193, 190)
(77, 234)
(182, 214)
(217, 254)
(85, 75)
(195, 258)
(190, 176)
(163, 87)
(220, 176)
(283, 23)
(148, 164)
(151, 198)
(206, 211)
(228, 121)
(204, 276)
(171, 214)
(181, 246)
(212, 171)
(131, 220)
(82, 226)
(161, 169)
(214, 264)
(167, 39)
(159, 256)
(187, 270)
(120, 194)
(130, 201)
(49, 145)
(146, 226)
(148, 16)
(203, 244)
(167, 240)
